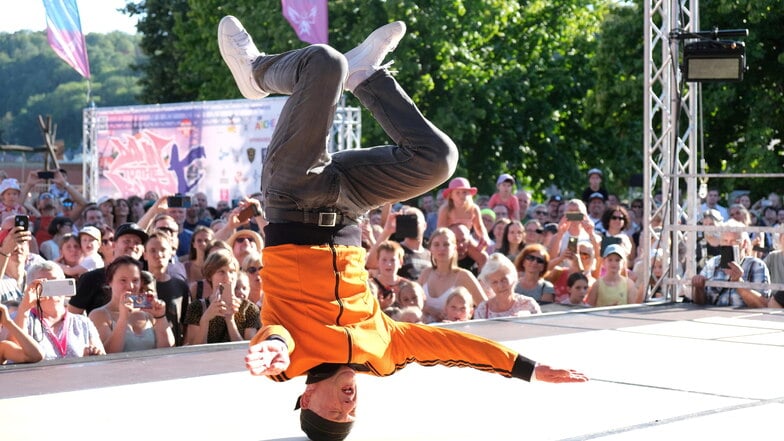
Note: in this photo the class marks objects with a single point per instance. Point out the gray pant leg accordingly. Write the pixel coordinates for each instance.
(300, 174)
(297, 168)
(424, 158)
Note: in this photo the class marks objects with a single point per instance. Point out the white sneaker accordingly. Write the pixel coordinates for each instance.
(239, 52)
(366, 58)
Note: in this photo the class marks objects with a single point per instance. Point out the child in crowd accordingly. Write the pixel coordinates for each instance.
(578, 288)
(409, 314)
(613, 288)
(505, 196)
(410, 293)
(459, 305)
(242, 288)
(9, 199)
(459, 208)
(90, 241)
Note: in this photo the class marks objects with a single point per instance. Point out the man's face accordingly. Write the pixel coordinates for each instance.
(201, 200)
(501, 211)
(713, 198)
(524, 199)
(428, 204)
(177, 213)
(157, 253)
(93, 217)
(335, 398)
(128, 245)
(596, 207)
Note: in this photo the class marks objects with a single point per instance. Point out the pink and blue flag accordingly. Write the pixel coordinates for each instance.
(308, 18)
(64, 32)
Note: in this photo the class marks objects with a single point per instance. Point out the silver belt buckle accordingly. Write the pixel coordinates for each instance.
(327, 219)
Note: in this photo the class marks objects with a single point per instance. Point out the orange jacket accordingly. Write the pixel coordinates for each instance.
(317, 299)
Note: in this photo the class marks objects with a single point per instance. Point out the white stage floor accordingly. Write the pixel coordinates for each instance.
(664, 372)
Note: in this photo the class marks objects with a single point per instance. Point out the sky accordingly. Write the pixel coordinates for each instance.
(99, 16)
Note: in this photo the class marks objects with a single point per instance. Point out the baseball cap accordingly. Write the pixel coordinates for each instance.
(505, 177)
(131, 228)
(614, 249)
(595, 171)
(596, 195)
(91, 231)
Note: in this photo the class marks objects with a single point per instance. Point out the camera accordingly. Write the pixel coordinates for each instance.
(574, 216)
(406, 225)
(62, 287)
(179, 201)
(45, 175)
(142, 300)
(23, 221)
(729, 253)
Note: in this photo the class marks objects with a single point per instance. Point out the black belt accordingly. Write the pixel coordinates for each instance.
(321, 218)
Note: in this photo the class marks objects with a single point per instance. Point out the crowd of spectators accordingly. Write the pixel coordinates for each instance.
(154, 271)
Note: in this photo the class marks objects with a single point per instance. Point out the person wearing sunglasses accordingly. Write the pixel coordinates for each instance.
(252, 265)
(531, 264)
(615, 222)
(499, 276)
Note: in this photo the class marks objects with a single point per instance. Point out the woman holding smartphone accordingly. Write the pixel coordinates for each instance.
(130, 322)
(44, 316)
(222, 317)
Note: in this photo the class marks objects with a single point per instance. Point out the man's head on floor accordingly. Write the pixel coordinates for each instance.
(328, 405)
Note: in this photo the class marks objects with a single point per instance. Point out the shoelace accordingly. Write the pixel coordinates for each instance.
(243, 41)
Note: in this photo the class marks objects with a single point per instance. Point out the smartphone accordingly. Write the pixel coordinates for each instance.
(63, 287)
(143, 300)
(45, 175)
(573, 244)
(22, 221)
(728, 254)
(406, 225)
(574, 216)
(248, 212)
(178, 201)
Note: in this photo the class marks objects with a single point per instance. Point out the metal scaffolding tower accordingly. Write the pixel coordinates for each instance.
(670, 140)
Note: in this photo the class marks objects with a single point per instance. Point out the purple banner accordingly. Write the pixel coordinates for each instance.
(308, 18)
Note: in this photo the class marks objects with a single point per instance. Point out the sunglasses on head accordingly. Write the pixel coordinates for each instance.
(532, 258)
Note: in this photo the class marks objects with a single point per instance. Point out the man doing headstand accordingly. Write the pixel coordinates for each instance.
(318, 316)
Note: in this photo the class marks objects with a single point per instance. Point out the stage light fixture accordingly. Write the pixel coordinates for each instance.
(714, 60)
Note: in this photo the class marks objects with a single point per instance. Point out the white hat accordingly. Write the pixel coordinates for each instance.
(92, 232)
(9, 184)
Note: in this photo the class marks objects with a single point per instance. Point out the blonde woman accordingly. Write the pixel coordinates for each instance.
(445, 275)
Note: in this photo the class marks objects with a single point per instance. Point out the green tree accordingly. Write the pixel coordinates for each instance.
(505, 81)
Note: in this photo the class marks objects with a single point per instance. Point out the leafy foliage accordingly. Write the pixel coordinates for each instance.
(37, 82)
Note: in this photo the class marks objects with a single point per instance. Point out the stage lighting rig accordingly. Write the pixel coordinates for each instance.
(712, 56)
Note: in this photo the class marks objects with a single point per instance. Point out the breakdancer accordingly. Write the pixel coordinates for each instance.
(319, 318)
